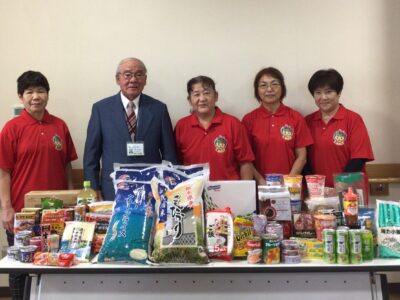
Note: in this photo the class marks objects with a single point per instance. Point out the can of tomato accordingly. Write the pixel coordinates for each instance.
(270, 249)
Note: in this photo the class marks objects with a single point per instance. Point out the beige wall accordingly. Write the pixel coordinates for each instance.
(77, 45)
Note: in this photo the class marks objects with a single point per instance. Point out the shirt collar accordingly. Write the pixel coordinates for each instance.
(217, 119)
(340, 114)
(265, 113)
(126, 100)
(31, 120)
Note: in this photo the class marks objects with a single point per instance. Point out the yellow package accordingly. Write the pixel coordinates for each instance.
(243, 231)
(310, 248)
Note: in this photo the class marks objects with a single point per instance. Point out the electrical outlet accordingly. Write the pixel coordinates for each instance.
(379, 189)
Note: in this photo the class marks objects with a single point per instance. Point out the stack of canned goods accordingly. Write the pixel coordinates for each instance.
(290, 252)
(347, 246)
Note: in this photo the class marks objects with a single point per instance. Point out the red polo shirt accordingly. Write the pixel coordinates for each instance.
(36, 154)
(275, 136)
(223, 145)
(345, 137)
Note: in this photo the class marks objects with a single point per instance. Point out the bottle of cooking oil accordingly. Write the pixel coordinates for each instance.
(87, 195)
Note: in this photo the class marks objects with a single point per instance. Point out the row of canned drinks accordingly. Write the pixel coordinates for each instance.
(347, 246)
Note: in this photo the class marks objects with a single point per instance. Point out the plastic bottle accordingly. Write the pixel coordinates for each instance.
(350, 205)
(86, 195)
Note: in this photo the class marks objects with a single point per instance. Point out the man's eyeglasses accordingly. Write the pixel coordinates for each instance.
(137, 75)
(273, 85)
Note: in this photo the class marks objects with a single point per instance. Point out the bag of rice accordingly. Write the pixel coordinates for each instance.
(129, 231)
(179, 234)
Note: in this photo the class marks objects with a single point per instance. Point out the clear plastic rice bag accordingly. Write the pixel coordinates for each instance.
(179, 230)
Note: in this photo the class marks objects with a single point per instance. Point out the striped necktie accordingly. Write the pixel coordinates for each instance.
(131, 119)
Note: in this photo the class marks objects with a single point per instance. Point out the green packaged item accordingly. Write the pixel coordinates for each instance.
(342, 246)
(51, 203)
(367, 242)
(329, 240)
(388, 228)
(355, 246)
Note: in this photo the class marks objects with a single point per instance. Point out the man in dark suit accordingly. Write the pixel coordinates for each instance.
(129, 127)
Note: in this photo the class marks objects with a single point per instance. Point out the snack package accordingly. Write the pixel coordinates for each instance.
(274, 202)
(388, 228)
(303, 225)
(131, 223)
(310, 249)
(315, 204)
(56, 219)
(101, 207)
(24, 221)
(219, 234)
(54, 259)
(179, 234)
(77, 239)
(243, 232)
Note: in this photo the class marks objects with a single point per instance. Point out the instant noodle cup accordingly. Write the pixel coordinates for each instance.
(294, 184)
(322, 222)
(315, 185)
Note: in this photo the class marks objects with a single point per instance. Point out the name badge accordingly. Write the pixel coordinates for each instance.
(135, 149)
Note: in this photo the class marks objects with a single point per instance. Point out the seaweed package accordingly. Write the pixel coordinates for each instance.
(219, 234)
(179, 234)
(128, 234)
(388, 228)
(77, 239)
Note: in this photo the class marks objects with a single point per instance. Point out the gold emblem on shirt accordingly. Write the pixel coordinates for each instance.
(220, 144)
(339, 137)
(57, 142)
(287, 132)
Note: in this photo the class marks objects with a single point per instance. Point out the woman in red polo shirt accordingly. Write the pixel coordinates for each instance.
(278, 134)
(210, 135)
(341, 140)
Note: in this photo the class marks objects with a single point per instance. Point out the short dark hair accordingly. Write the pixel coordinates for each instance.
(31, 79)
(328, 77)
(273, 72)
(204, 80)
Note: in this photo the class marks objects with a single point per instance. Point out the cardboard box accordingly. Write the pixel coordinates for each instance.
(33, 199)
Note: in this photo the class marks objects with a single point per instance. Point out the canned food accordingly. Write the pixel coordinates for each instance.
(254, 256)
(254, 243)
(291, 252)
(342, 246)
(355, 246)
(53, 242)
(328, 238)
(290, 244)
(27, 253)
(13, 252)
(22, 238)
(36, 241)
(271, 250)
(274, 227)
(367, 242)
(291, 259)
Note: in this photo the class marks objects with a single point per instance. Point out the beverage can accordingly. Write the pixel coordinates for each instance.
(329, 241)
(53, 242)
(367, 242)
(342, 246)
(355, 246)
(271, 250)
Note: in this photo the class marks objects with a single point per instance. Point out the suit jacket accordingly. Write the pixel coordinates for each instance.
(107, 135)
